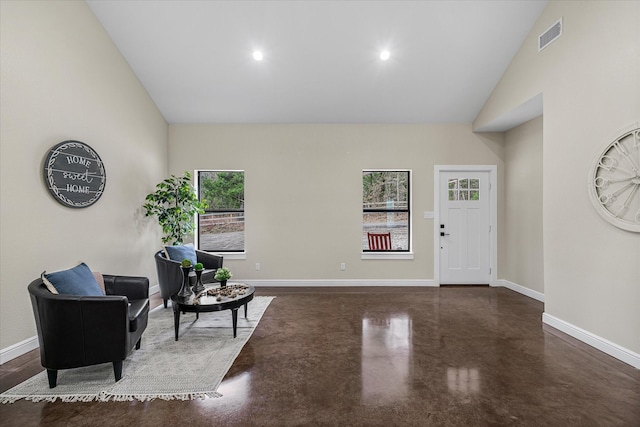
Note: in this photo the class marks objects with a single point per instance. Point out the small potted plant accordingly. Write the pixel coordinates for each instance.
(198, 287)
(185, 290)
(222, 275)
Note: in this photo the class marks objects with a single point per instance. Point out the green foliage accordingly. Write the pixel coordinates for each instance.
(223, 273)
(381, 187)
(198, 266)
(186, 263)
(222, 190)
(175, 204)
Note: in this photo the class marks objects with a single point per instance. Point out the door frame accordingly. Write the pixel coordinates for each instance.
(493, 216)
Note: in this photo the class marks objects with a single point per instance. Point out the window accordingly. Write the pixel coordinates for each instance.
(464, 189)
(221, 227)
(385, 209)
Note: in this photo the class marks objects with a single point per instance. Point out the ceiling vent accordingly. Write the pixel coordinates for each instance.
(552, 33)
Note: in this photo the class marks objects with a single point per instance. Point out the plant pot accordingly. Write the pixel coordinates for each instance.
(223, 284)
(198, 287)
(185, 290)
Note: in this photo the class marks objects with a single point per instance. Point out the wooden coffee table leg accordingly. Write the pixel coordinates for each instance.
(176, 319)
(234, 317)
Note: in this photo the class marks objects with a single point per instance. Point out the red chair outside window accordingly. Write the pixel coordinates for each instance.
(379, 241)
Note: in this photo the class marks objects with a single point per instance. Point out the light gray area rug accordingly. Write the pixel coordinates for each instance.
(163, 368)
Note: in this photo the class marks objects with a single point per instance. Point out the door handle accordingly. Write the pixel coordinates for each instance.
(442, 234)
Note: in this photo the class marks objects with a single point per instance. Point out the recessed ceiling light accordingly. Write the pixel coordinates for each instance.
(384, 55)
(257, 55)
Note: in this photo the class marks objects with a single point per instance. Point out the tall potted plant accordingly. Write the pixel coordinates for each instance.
(175, 204)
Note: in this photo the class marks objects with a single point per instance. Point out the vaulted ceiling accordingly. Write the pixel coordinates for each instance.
(321, 59)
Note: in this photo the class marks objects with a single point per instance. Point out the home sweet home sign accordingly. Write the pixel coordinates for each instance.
(74, 174)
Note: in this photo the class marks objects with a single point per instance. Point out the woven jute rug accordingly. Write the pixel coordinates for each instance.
(163, 368)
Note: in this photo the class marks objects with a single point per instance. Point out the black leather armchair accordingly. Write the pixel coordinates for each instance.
(76, 331)
(170, 273)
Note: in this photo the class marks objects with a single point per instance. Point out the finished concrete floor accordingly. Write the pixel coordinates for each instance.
(449, 356)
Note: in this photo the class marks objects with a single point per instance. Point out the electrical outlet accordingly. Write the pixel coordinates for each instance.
(343, 266)
(257, 266)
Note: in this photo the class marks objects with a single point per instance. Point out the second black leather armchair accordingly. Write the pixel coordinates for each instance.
(170, 273)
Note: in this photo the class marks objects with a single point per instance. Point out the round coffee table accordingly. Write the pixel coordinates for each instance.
(208, 302)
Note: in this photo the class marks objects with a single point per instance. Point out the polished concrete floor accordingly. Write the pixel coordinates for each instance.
(450, 356)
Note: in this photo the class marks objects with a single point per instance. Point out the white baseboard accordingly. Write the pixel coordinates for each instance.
(16, 350)
(606, 346)
(154, 289)
(612, 349)
(339, 282)
(521, 289)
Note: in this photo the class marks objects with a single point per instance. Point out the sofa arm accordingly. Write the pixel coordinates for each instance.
(105, 324)
(76, 331)
(209, 260)
(130, 286)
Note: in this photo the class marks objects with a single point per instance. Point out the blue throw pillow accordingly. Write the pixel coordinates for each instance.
(78, 280)
(180, 252)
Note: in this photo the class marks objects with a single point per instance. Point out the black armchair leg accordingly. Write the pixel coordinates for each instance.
(117, 370)
(138, 344)
(52, 374)
(165, 303)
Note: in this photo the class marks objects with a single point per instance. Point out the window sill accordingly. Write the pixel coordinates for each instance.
(233, 255)
(386, 255)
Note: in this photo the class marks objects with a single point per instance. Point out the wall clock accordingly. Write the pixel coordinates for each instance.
(74, 174)
(614, 180)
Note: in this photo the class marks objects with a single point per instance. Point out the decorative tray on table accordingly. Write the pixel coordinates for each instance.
(229, 291)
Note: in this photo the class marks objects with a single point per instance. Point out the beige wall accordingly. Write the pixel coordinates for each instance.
(524, 263)
(590, 80)
(303, 189)
(62, 78)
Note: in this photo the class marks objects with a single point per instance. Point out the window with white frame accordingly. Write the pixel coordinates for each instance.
(221, 226)
(386, 211)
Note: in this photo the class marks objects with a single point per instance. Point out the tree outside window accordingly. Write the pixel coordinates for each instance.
(221, 226)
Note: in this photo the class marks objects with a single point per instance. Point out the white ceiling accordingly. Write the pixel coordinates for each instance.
(321, 58)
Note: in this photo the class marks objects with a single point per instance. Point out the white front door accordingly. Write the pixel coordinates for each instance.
(464, 227)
